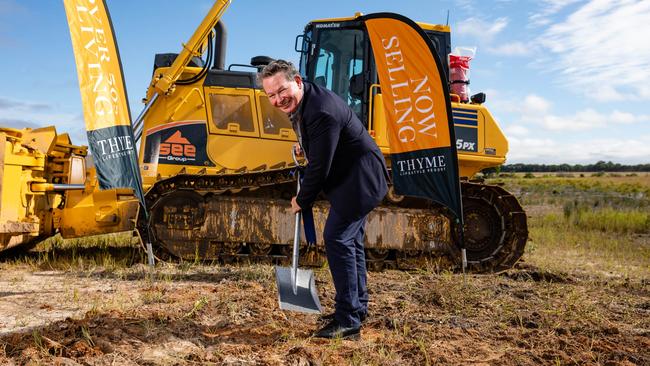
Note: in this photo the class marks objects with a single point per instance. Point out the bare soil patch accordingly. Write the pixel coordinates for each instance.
(183, 315)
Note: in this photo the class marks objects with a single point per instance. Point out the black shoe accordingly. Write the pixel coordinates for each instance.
(330, 317)
(334, 330)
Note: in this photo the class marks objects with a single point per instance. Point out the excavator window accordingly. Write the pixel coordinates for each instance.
(232, 112)
(340, 58)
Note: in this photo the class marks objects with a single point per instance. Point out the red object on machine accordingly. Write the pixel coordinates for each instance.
(459, 76)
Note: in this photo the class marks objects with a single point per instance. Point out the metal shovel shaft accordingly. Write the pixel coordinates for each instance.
(296, 255)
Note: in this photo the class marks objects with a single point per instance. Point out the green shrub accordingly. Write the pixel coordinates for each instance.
(611, 220)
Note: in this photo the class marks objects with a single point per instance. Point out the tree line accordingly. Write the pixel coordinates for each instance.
(600, 166)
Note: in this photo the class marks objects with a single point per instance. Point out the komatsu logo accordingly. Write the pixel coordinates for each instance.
(465, 145)
(426, 164)
(328, 25)
(178, 148)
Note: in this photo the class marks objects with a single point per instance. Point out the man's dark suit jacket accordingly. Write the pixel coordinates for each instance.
(343, 160)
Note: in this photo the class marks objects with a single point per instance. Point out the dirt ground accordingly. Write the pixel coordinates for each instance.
(228, 315)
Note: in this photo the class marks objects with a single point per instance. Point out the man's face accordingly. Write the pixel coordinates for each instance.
(283, 94)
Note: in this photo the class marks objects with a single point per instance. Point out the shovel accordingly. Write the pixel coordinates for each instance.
(296, 287)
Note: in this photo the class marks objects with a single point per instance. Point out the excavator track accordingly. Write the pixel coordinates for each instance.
(496, 228)
(245, 218)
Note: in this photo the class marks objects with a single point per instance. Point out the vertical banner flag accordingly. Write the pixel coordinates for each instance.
(103, 95)
(418, 111)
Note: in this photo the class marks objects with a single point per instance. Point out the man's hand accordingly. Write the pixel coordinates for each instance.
(297, 149)
(294, 206)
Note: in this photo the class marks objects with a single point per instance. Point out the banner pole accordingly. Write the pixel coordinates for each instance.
(463, 251)
(150, 257)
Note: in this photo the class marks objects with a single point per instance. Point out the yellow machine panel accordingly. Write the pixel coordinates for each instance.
(45, 187)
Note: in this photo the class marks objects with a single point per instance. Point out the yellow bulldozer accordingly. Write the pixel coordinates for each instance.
(217, 172)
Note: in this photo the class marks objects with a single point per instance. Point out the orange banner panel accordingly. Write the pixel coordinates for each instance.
(411, 87)
(98, 65)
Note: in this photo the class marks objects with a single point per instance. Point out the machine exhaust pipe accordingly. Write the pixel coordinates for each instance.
(220, 40)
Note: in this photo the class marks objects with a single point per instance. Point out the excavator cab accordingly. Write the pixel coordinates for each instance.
(338, 59)
(336, 54)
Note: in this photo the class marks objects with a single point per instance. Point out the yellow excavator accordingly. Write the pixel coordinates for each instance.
(216, 165)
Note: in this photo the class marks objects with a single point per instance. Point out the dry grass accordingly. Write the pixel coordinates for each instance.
(228, 315)
(557, 246)
(580, 296)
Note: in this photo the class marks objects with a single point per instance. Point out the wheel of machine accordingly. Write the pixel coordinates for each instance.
(410, 259)
(484, 229)
(261, 248)
(231, 248)
(376, 258)
(174, 215)
(495, 229)
(377, 254)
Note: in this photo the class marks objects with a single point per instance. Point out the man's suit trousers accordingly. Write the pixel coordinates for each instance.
(344, 246)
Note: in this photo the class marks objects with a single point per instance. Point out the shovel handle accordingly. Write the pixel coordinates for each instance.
(296, 231)
(296, 255)
(296, 237)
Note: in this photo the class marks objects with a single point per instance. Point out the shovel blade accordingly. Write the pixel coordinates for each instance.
(305, 300)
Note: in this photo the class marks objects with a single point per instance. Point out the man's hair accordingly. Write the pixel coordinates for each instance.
(277, 66)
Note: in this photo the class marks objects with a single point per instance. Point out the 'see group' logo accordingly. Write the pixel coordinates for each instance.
(178, 146)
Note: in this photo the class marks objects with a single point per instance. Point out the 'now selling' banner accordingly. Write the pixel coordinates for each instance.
(418, 111)
(103, 95)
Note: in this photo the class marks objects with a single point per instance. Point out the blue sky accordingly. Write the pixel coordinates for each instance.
(567, 80)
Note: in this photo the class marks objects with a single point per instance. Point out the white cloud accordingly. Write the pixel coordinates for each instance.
(531, 105)
(28, 114)
(627, 118)
(511, 49)
(480, 29)
(534, 104)
(549, 8)
(546, 151)
(601, 50)
(17, 123)
(11, 104)
(516, 130)
(467, 5)
(589, 119)
(606, 93)
(536, 113)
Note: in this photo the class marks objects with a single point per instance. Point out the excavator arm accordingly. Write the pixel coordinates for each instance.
(163, 84)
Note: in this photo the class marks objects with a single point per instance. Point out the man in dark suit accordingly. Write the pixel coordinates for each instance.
(345, 163)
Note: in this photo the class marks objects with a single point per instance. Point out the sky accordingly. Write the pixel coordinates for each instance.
(567, 80)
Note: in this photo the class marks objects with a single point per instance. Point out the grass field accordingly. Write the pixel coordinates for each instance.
(580, 295)
(593, 223)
